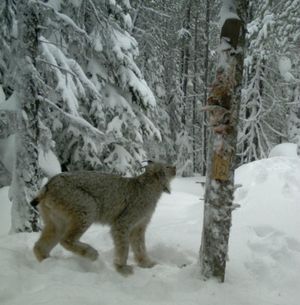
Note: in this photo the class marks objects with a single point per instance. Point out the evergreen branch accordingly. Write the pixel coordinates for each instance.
(96, 13)
(146, 8)
(260, 131)
(64, 18)
(274, 130)
(135, 16)
(78, 122)
(53, 43)
(257, 115)
(142, 31)
(58, 67)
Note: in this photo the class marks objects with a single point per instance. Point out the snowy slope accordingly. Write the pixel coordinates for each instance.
(264, 251)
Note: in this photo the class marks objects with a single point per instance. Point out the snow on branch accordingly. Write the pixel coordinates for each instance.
(274, 130)
(71, 80)
(138, 86)
(66, 20)
(76, 121)
(149, 128)
(96, 13)
(156, 12)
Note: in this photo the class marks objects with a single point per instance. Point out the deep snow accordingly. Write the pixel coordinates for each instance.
(264, 251)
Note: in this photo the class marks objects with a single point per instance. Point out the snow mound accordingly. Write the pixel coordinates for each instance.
(264, 251)
(270, 194)
(284, 150)
(265, 237)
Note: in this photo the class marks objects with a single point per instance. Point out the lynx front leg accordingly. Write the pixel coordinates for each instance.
(137, 241)
(120, 237)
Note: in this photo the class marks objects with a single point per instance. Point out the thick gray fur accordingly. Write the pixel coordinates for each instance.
(70, 202)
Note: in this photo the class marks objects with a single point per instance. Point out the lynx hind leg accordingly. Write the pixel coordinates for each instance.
(120, 235)
(70, 240)
(137, 242)
(49, 237)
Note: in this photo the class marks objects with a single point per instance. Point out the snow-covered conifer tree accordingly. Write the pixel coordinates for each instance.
(26, 175)
(78, 90)
(269, 90)
(288, 27)
(121, 101)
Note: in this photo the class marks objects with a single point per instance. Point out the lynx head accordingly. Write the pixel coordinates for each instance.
(164, 173)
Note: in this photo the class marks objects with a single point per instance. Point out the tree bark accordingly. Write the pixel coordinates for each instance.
(26, 175)
(206, 73)
(185, 61)
(223, 107)
(8, 123)
(195, 124)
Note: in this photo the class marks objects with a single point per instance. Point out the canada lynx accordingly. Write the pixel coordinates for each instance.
(70, 202)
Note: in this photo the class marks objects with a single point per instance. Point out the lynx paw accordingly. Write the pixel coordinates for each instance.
(39, 253)
(146, 264)
(91, 254)
(125, 270)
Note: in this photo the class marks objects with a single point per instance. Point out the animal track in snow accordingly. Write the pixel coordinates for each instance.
(273, 254)
(260, 175)
(273, 243)
(241, 193)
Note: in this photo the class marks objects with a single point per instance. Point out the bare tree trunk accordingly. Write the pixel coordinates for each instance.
(206, 62)
(26, 175)
(223, 106)
(195, 125)
(185, 60)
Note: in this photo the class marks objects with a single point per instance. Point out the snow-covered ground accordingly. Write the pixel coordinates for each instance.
(264, 265)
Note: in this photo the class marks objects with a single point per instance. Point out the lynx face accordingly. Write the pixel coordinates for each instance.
(164, 173)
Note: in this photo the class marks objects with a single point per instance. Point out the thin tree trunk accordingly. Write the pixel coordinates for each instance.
(223, 106)
(185, 58)
(206, 73)
(26, 176)
(195, 90)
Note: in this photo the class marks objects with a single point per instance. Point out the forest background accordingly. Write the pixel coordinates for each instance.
(107, 84)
